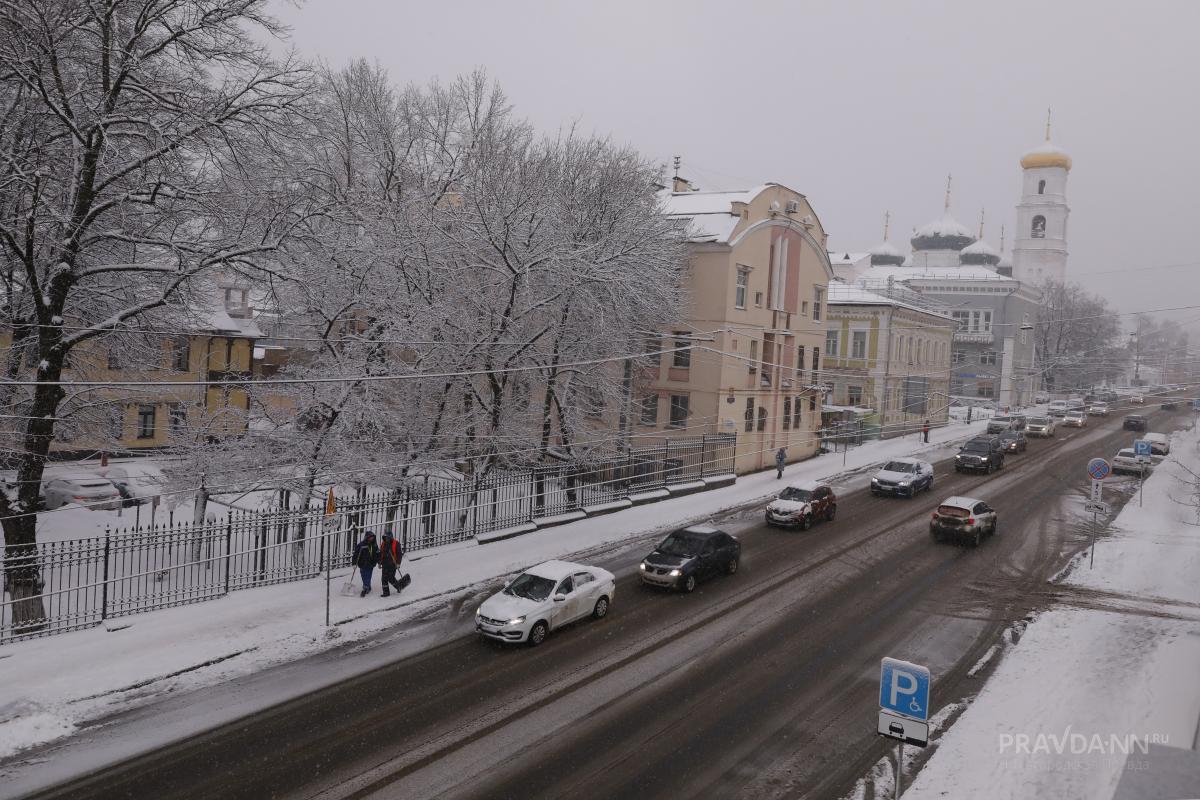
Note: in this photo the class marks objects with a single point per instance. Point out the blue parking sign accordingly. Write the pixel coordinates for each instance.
(1141, 447)
(904, 689)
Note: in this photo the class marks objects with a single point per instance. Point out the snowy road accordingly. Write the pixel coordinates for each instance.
(758, 685)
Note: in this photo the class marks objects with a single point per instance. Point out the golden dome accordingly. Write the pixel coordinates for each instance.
(1046, 155)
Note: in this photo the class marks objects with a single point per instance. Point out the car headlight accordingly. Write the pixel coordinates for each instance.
(479, 611)
(642, 566)
(675, 573)
(958, 458)
(874, 480)
(904, 483)
(983, 458)
(516, 620)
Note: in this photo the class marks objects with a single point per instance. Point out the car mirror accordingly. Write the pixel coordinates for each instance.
(560, 598)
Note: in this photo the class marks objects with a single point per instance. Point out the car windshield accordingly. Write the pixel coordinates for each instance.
(1038, 421)
(797, 495)
(531, 587)
(1010, 435)
(680, 545)
(953, 511)
(1126, 452)
(1001, 419)
(976, 447)
(899, 466)
(94, 484)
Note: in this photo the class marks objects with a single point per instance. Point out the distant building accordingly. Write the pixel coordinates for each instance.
(1040, 251)
(888, 354)
(748, 347)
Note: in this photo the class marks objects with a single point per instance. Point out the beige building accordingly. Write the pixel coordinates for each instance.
(747, 348)
(887, 354)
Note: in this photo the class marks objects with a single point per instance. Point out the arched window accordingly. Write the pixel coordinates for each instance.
(1038, 229)
(1041, 187)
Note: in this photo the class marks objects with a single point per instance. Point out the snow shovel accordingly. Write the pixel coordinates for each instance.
(350, 588)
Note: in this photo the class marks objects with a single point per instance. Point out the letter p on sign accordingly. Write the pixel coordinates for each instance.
(904, 689)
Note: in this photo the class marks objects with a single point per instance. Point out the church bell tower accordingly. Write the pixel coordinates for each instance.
(1040, 250)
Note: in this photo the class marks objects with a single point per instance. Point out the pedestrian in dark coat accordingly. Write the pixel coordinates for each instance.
(780, 461)
(925, 431)
(390, 556)
(366, 556)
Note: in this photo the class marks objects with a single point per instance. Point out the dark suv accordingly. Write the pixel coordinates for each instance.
(981, 454)
(1135, 422)
(689, 555)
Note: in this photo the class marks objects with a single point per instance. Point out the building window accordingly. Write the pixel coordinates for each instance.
(812, 402)
(858, 344)
(114, 357)
(831, 343)
(743, 281)
(818, 296)
(1038, 229)
(679, 410)
(984, 388)
(799, 361)
(762, 419)
(749, 414)
(682, 355)
(753, 355)
(181, 353)
(854, 395)
(145, 422)
(649, 410)
(988, 358)
(758, 299)
(787, 413)
(796, 414)
(178, 418)
(1041, 187)
(804, 308)
(654, 350)
(816, 363)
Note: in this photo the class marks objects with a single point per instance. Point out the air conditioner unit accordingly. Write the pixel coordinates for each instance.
(808, 220)
(774, 206)
(792, 206)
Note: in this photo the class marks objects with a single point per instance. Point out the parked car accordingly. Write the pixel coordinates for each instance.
(1134, 422)
(1097, 410)
(1040, 426)
(981, 454)
(1075, 419)
(545, 598)
(964, 519)
(904, 477)
(1019, 421)
(689, 555)
(801, 504)
(83, 488)
(1126, 461)
(999, 424)
(1057, 409)
(1160, 444)
(1169, 405)
(1041, 397)
(1014, 441)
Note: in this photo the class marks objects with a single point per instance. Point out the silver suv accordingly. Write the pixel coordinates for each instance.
(964, 519)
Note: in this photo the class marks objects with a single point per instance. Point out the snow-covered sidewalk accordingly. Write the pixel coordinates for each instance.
(1100, 698)
(71, 678)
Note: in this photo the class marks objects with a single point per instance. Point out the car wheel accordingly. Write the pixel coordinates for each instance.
(688, 585)
(537, 634)
(976, 538)
(937, 537)
(929, 486)
(731, 567)
(600, 611)
(806, 522)
(831, 513)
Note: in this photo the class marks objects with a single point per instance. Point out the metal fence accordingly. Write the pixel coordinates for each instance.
(61, 586)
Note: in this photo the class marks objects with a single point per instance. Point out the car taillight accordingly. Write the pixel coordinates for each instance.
(934, 515)
(970, 520)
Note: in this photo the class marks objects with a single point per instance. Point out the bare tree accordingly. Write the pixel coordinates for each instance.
(1077, 337)
(127, 132)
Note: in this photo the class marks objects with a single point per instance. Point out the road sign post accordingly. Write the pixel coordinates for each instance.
(1098, 469)
(903, 707)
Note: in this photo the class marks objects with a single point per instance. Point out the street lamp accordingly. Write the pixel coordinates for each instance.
(1137, 358)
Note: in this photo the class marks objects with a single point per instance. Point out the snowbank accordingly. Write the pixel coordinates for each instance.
(1100, 680)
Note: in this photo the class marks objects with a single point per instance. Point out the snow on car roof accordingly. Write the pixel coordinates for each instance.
(705, 529)
(807, 486)
(76, 476)
(960, 502)
(905, 460)
(556, 570)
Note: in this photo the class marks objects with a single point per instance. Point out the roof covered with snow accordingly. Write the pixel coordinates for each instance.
(979, 252)
(963, 273)
(886, 253)
(845, 294)
(944, 225)
(1047, 154)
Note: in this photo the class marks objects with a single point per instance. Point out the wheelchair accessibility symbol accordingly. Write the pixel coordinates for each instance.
(904, 689)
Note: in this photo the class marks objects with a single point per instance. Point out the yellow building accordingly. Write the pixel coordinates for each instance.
(887, 357)
(746, 350)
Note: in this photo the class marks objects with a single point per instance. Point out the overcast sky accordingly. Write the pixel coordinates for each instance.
(862, 106)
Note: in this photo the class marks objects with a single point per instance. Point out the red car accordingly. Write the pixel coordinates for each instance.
(801, 504)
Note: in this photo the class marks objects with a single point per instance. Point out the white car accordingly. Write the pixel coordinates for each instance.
(1138, 399)
(545, 598)
(903, 476)
(1057, 409)
(1160, 444)
(1075, 419)
(90, 491)
(1097, 410)
(1126, 461)
(1040, 426)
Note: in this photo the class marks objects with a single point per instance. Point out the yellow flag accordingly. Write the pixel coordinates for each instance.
(330, 504)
